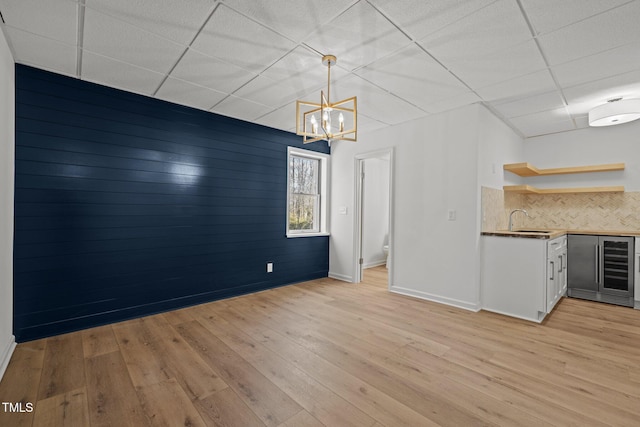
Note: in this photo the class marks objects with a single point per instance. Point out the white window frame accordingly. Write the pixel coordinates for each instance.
(323, 209)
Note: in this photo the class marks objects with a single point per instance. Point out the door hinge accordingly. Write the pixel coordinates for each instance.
(361, 261)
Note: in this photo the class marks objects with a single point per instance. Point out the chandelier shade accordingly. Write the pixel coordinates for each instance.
(326, 120)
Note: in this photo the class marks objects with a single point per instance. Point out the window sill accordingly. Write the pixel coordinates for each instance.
(296, 235)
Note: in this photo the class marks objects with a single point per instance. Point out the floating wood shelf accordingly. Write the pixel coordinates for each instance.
(527, 189)
(526, 169)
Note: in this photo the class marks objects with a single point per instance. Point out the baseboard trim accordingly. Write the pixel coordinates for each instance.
(342, 277)
(374, 263)
(6, 354)
(517, 316)
(436, 298)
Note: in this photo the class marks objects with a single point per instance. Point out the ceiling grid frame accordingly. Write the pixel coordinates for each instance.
(187, 48)
(546, 61)
(80, 39)
(37, 37)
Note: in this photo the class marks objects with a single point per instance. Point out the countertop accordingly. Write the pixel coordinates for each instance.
(533, 233)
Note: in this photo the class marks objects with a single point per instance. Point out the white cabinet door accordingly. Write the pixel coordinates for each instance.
(552, 282)
(522, 277)
(556, 271)
(564, 281)
(513, 276)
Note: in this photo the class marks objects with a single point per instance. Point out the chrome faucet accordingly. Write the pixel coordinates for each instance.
(511, 217)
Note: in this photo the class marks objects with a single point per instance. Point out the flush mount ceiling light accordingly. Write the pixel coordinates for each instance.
(616, 111)
(327, 120)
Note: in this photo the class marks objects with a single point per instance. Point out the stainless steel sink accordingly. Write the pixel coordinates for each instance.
(532, 231)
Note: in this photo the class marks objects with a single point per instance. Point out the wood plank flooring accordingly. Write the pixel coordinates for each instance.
(329, 353)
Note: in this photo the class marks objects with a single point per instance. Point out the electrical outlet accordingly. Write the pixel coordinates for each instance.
(451, 215)
(269, 267)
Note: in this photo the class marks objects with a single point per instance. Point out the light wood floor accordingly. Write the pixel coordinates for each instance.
(335, 354)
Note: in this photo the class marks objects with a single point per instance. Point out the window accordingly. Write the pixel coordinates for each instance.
(307, 193)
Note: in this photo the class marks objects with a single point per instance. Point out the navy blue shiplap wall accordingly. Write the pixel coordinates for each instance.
(127, 205)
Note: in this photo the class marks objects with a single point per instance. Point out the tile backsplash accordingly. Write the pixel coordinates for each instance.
(587, 211)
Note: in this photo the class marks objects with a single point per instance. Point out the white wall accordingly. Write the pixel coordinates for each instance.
(435, 170)
(498, 145)
(612, 144)
(440, 162)
(7, 150)
(375, 224)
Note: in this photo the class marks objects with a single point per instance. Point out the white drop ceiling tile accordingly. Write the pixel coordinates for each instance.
(351, 85)
(177, 20)
(299, 60)
(374, 102)
(54, 19)
(116, 39)
(120, 75)
(413, 75)
(581, 122)
(555, 115)
(213, 73)
(609, 63)
(283, 118)
(531, 129)
(549, 15)
(544, 122)
(294, 19)
(524, 86)
(240, 108)
(272, 93)
(491, 68)
(358, 37)
(184, 93)
(301, 63)
(492, 28)
(453, 102)
(367, 124)
(42, 52)
(534, 104)
(420, 18)
(596, 34)
(584, 97)
(235, 38)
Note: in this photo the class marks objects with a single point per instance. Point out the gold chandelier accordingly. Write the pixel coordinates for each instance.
(327, 120)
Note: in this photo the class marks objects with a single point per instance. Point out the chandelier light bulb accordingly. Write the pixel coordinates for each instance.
(314, 125)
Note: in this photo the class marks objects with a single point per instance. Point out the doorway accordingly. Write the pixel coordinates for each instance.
(374, 215)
